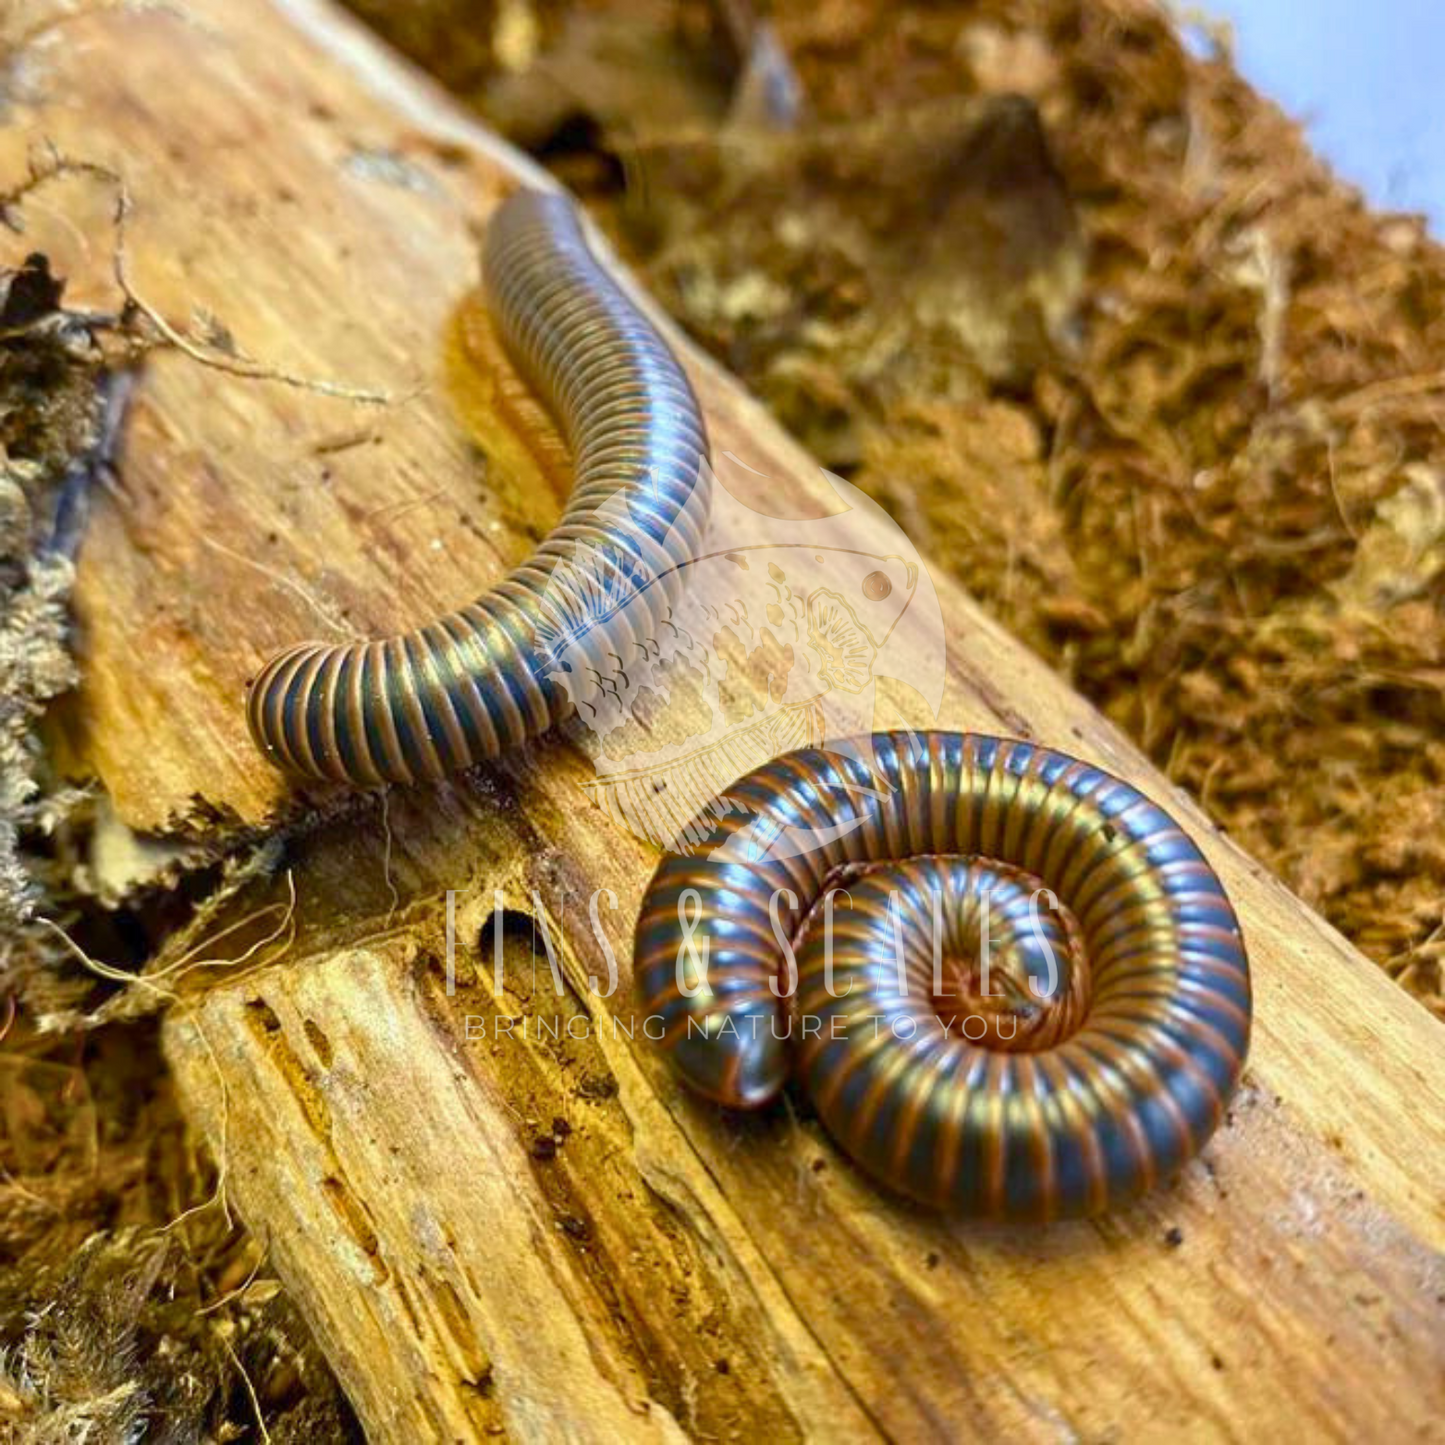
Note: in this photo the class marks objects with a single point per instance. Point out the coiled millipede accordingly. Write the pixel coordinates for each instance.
(474, 683)
(996, 1103)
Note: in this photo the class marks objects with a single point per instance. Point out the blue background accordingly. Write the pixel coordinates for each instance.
(1368, 79)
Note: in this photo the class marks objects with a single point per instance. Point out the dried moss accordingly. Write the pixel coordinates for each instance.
(116, 1321)
(49, 412)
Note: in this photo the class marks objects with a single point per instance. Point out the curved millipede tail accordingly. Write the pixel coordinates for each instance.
(1087, 1061)
(473, 684)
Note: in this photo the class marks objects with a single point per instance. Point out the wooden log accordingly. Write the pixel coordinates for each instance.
(533, 1231)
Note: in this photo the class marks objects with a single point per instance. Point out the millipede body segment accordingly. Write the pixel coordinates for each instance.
(474, 683)
(1092, 1058)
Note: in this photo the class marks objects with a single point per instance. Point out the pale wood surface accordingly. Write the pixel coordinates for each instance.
(670, 1269)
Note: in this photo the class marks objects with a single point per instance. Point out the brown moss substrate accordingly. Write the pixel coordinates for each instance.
(1162, 391)
(131, 1306)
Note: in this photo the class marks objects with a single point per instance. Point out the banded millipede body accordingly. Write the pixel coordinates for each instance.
(474, 683)
(992, 1102)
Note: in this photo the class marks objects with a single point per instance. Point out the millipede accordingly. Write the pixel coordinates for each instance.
(477, 682)
(1010, 984)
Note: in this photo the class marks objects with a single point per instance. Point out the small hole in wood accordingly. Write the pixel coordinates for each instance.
(320, 1044)
(519, 928)
(262, 1016)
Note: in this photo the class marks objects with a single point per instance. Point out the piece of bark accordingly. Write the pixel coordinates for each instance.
(648, 1265)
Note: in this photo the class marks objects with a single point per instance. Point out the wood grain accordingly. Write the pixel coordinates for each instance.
(663, 1268)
